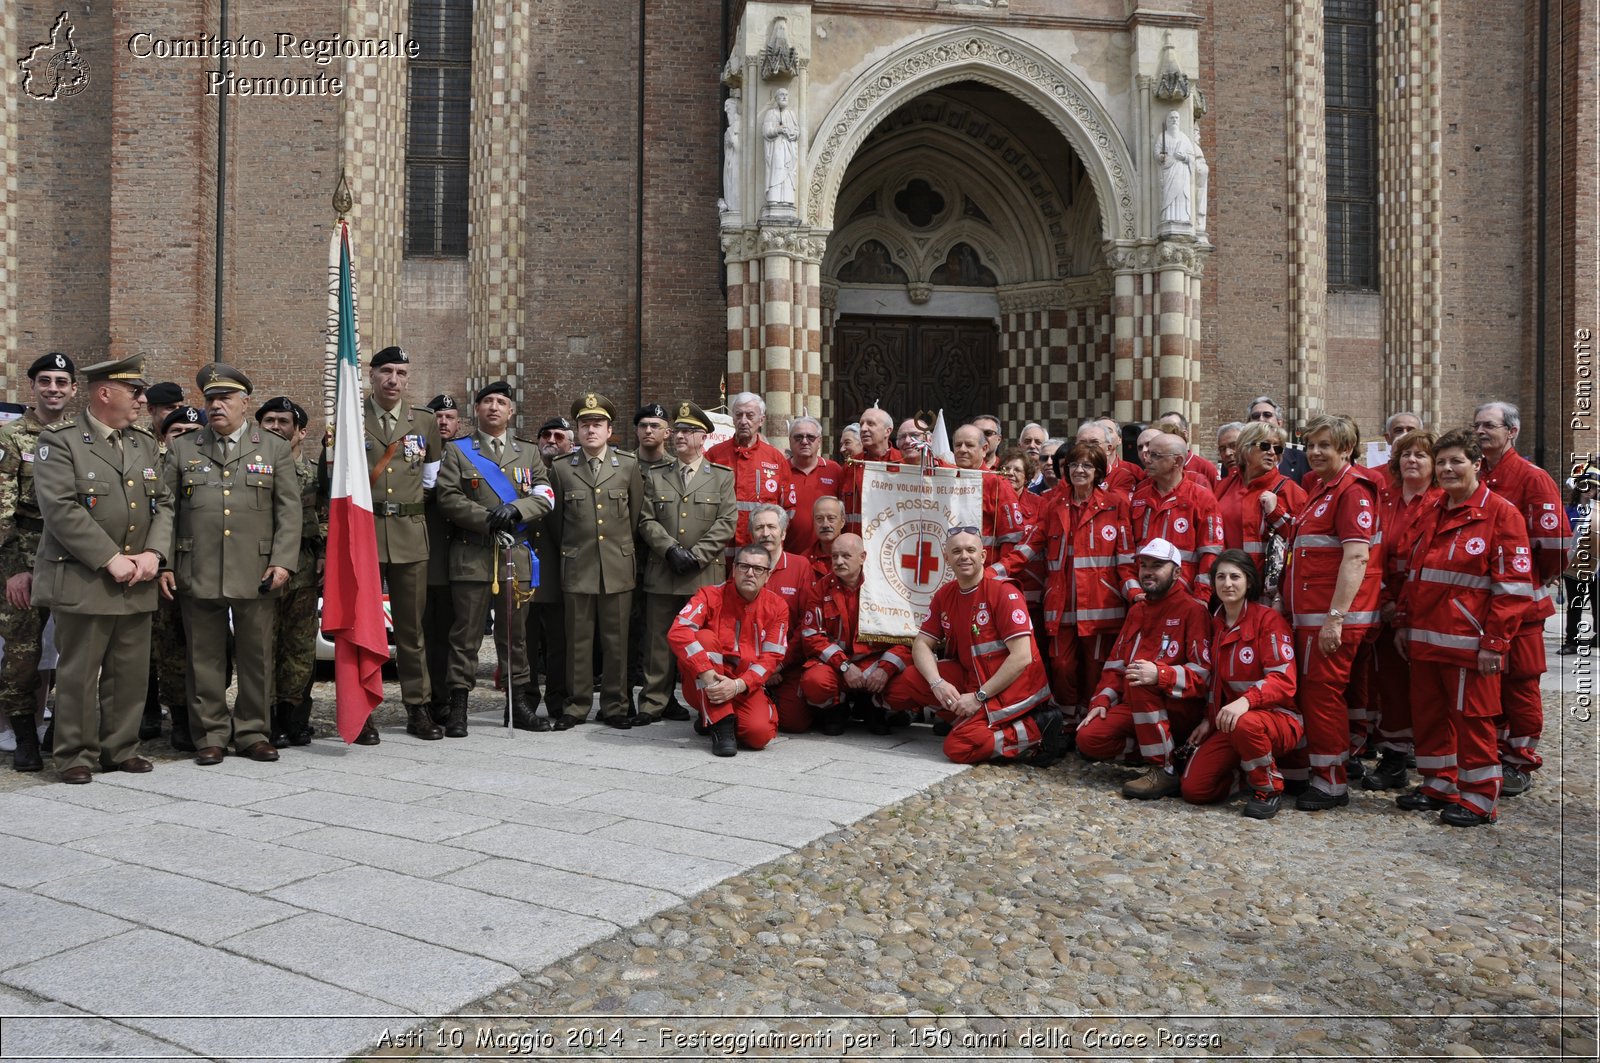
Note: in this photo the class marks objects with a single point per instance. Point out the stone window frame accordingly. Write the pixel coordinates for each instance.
(438, 129)
(1350, 50)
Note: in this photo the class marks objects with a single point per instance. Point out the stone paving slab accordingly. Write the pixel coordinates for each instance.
(27, 864)
(36, 926)
(514, 810)
(236, 862)
(221, 784)
(602, 858)
(43, 819)
(232, 822)
(788, 829)
(419, 859)
(411, 822)
(177, 904)
(691, 842)
(53, 1031)
(616, 902)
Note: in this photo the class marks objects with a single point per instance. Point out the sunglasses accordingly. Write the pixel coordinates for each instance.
(964, 529)
(1262, 415)
(1270, 448)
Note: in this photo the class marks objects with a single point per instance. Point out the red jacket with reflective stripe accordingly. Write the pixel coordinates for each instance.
(1400, 522)
(823, 481)
(760, 474)
(1244, 499)
(1005, 528)
(1470, 580)
(1345, 510)
(1186, 518)
(976, 628)
(1534, 494)
(1254, 660)
(1123, 480)
(850, 491)
(1031, 577)
(830, 628)
(1201, 470)
(1088, 551)
(790, 580)
(747, 640)
(1175, 633)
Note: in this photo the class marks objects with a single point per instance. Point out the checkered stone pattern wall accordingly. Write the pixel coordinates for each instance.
(9, 90)
(1135, 364)
(1027, 342)
(1411, 216)
(744, 318)
(497, 199)
(374, 161)
(809, 397)
(778, 334)
(827, 313)
(1308, 211)
(1080, 369)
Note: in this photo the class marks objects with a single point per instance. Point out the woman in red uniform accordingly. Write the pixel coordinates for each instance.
(1020, 467)
(1409, 493)
(1250, 716)
(1470, 581)
(1256, 499)
(1088, 551)
(1330, 590)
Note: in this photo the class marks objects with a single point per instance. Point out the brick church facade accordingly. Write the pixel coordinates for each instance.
(1044, 208)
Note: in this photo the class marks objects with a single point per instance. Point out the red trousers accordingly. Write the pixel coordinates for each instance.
(1394, 696)
(755, 717)
(1074, 669)
(1522, 709)
(1321, 697)
(794, 715)
(1260, 736)
(1360, 695)
(1453, 712)
(1146, 720)
(975, 739)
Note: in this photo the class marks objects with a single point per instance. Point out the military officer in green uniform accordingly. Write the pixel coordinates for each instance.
(692, 521)
(438, 615)
(491, 486)
(236, 542)
(54, 384)
(599, 502)
(403, 453)
(294, 626)
(169, 649)
(160, 401)
(107, 531)
(652, 431)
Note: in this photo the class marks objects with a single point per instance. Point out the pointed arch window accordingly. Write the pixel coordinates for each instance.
(438, 128)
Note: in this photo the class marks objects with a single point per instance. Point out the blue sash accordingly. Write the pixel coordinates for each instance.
(502, 486)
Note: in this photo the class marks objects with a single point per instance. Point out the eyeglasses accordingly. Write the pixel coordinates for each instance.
(964, 529)
(1263, 415)
(991, 432)
(1270, 448)
(1488, 426)
(751, 570)
(1081, 465)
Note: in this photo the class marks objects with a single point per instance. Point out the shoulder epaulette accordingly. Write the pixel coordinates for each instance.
(521, 439)
(424, 411)
(142, 428)
(61, 426)
(724, 468)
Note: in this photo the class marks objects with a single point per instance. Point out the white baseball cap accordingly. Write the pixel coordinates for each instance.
(1161, 550)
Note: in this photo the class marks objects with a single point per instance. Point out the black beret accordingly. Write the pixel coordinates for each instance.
(165, 393)
(389, 356)
(555, 422)
(442, 402)
(283, 404)
(54, 361)
(654, 409)
(184, 414)
(498, 387)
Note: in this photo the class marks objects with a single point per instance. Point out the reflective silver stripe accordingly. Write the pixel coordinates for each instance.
(1052, 565)
(1026, 552)
(1102, 614)
(1210, 550)
(1332, 789)
(1094, 562)
(987, 540)
(1115, 665)
(1454, 579)
(745, 507)
(1050, 616)
(1318, 619)
(1478, 774)
(1240, 688)
(1258, 762)
(1519, 590)
(1541, 593)
(774, 647)
(1482, 802)
(1436, 763)
(1180, 681)
(999, 713)
(1188, 555)
(1149, 717)
(1439, 638)
(715, 656)
(1199, 670)
(759, 670)
(1311, 542)
(693, 649)
(891, 662)
(982, 648)
(1281, 669)
(1011, 537)
(1254, 548)
(832, 650)
(1325, 760)
(1523, 742)
(1556, 543)
(1160, 750)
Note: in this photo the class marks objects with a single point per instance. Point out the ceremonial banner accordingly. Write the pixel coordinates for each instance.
(904, 516)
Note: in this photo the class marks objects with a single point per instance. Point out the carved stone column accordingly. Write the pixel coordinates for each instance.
(1308, 209)
(1411, 216)
(497, 196)
(1155, 308)
(373, 157)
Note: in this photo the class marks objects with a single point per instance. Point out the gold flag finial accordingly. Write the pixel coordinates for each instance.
(342, 201)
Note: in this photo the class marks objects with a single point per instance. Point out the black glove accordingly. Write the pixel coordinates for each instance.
(504, 518)
(682, 560)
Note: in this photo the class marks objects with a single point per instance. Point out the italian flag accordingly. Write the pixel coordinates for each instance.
(352, 610)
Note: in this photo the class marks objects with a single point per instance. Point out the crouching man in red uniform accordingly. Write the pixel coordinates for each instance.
(731, 638)
(840, 668)
(990, 682)
(1153, 687)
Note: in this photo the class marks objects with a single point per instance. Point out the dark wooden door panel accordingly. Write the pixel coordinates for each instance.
(910, 364)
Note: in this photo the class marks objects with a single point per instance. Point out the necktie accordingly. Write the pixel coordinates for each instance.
(683, 478)
(594, 468)
(388, 423)
(499, 449)
(115, 439)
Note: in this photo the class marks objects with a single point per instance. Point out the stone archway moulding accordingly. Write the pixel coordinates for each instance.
(994, 59)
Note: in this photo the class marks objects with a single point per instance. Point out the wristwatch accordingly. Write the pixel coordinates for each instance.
(980, 695)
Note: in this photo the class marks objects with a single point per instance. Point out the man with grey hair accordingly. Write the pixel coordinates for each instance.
(1398, 424)
(1293, 464)
(989, 425)
(1228, 447)
(790, 578)
(1032, 439)
(811, 476)
(1105, 435)
(760, 470)
(1529, 488)
(876, 424)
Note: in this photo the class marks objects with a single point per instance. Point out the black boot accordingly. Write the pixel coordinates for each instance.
(1052, 738)
(724, 737)
(439, 709)
(300, 732)
(456, 725)
(832, 721)
(525, 711)
(280, 724)
(27, 757)
(877, 719)
(1388, 774)
(181, 739)
(150, 722)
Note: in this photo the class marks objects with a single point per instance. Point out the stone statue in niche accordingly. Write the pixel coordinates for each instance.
(781, 130)
(729, 203)
(778, 60)
(1202, 183)
(1175, 159)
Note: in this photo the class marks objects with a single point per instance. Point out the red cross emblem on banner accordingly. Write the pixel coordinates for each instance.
(921, 563)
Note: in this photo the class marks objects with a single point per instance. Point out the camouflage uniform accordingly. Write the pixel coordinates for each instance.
(20, 527)
(295, 626)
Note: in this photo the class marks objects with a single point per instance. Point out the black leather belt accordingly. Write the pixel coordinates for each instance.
(399, 509)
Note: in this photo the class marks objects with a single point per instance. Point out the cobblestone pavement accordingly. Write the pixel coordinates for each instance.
(1027, 914)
